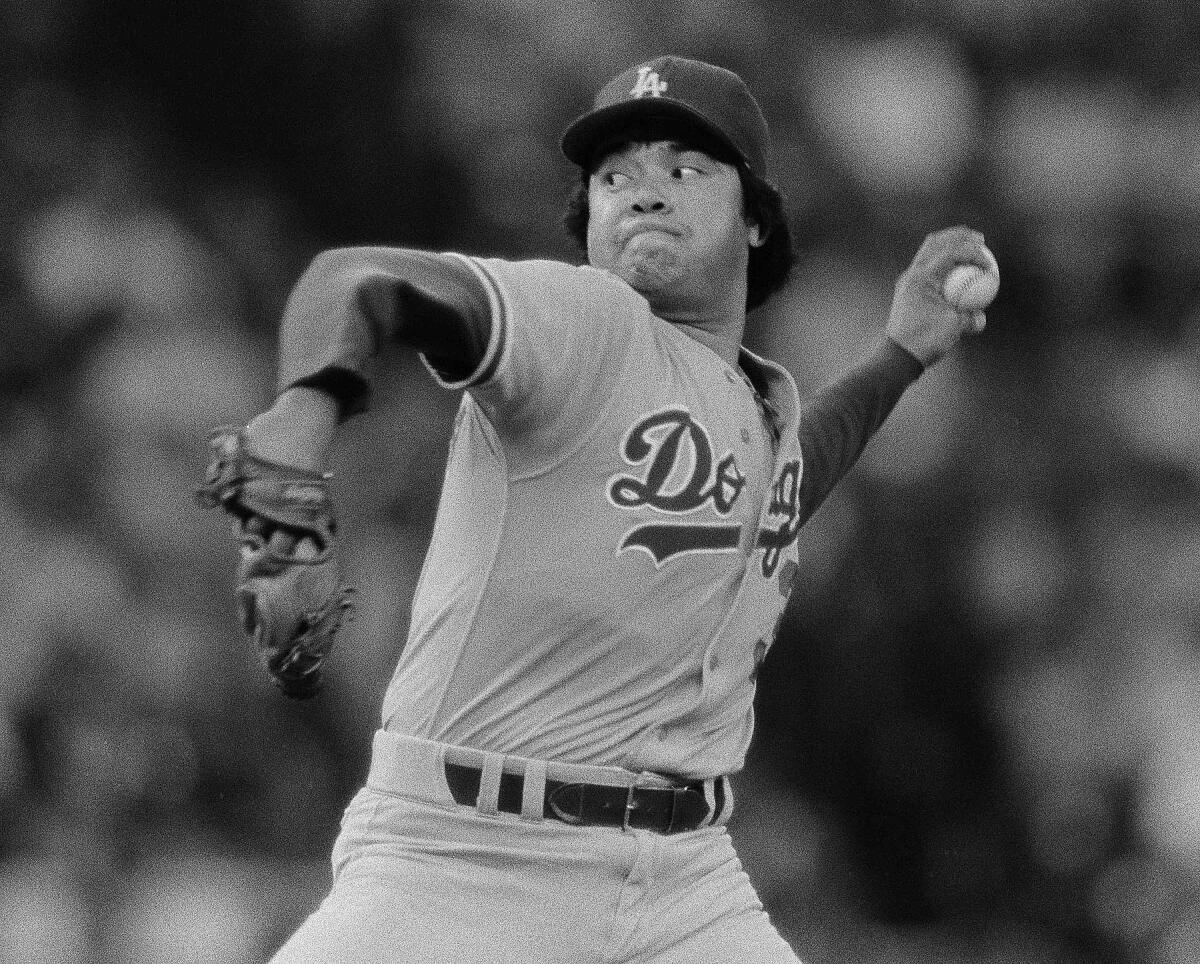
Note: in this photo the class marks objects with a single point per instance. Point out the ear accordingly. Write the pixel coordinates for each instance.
(756, 237)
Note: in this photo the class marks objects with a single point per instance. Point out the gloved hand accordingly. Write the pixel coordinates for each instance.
(290, 594)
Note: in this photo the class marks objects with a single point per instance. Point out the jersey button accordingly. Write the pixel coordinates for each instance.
(713, 662)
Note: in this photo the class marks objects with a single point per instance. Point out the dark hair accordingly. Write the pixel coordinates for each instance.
(762, 203)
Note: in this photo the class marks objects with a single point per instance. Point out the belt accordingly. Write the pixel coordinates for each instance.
(666, 810)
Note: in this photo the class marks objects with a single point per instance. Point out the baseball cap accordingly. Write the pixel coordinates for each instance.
(672, 94)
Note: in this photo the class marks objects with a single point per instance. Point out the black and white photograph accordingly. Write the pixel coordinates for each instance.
(600, 482)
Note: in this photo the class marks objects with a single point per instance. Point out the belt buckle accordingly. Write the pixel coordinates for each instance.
(575, 819)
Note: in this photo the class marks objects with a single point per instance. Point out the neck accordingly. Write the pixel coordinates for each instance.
(721, 334)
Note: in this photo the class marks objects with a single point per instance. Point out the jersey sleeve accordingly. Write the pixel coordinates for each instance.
(350, 300)
(559, 337)
(837, 422)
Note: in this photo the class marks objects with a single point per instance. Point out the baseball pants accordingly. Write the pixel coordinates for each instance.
(420, 878)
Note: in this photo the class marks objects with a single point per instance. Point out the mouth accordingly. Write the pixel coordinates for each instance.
(632, 231)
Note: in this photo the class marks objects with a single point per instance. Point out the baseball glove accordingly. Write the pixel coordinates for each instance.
(289, 590)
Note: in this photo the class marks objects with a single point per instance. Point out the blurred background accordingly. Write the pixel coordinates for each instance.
(979, 733)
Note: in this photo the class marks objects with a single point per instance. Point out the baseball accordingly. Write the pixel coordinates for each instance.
(970, 287)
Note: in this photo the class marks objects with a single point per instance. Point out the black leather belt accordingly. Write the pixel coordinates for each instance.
(661, 809)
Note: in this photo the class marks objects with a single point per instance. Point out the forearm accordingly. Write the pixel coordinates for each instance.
(344, 306)
(837, 422)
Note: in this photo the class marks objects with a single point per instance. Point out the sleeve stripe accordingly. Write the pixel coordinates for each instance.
(497, 341)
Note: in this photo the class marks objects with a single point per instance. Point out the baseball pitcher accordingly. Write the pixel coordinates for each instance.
(615, 543)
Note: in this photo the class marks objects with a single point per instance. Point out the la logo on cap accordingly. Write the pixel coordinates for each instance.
(648, 84)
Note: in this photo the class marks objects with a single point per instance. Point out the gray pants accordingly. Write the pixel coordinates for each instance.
(418, 878)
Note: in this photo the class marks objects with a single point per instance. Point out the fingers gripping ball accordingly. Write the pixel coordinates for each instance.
(971, 287)
(290, 596)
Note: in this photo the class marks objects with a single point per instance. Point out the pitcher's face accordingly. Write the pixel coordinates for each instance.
(670, 221)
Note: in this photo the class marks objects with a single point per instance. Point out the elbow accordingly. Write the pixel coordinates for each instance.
(334, 267)
(348, 280)
(361, 275)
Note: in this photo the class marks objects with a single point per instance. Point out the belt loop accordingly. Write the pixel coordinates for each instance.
(488, 801)
(630, 806)
(710, 797)
(533, 792)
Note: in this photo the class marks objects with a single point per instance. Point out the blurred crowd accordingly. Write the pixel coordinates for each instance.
(979, 733)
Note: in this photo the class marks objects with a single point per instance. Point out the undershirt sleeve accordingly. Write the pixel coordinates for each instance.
(350, 300)
(837, 422)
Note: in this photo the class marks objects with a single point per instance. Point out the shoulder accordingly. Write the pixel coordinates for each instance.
(560, 279)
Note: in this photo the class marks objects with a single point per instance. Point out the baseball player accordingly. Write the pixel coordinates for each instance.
(615, 543)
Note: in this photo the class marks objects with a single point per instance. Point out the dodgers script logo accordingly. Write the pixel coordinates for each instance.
(682, 474)
(784, 504)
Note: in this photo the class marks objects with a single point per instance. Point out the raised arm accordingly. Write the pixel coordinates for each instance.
(837, 422)
(348, 302)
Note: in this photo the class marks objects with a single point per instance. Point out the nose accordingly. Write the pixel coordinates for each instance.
(647, 200)
(650, 206)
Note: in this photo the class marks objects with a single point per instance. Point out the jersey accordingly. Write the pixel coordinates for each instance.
(616, 536)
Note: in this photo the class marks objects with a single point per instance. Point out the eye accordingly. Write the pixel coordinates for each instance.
(614, 179)
(685, 172)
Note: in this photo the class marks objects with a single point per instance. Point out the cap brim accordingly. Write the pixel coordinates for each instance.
(602, 127)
